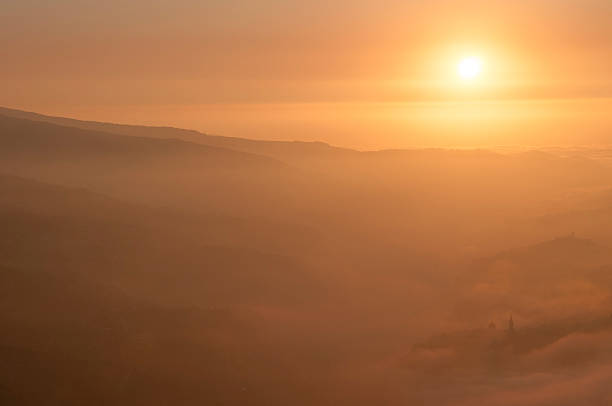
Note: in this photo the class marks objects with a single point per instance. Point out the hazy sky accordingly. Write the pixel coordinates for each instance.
(200, 63)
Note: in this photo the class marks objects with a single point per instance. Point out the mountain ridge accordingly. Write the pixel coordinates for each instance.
(236, 143)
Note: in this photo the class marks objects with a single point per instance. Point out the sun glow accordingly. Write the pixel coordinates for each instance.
(469, 68)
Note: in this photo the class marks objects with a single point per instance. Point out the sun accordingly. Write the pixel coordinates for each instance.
(469, 68)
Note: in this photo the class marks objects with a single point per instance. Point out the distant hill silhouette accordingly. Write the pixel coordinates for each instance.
(277, 149)
(21, 139)
(146, 170)
(565, 250)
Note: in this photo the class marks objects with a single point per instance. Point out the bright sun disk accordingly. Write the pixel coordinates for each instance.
(469, 68)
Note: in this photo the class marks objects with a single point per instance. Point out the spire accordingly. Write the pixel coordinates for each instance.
(511, 325)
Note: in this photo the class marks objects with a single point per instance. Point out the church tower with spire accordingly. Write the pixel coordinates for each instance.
(511, 326)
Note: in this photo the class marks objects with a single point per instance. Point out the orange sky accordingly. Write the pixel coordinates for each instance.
(360, 73)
